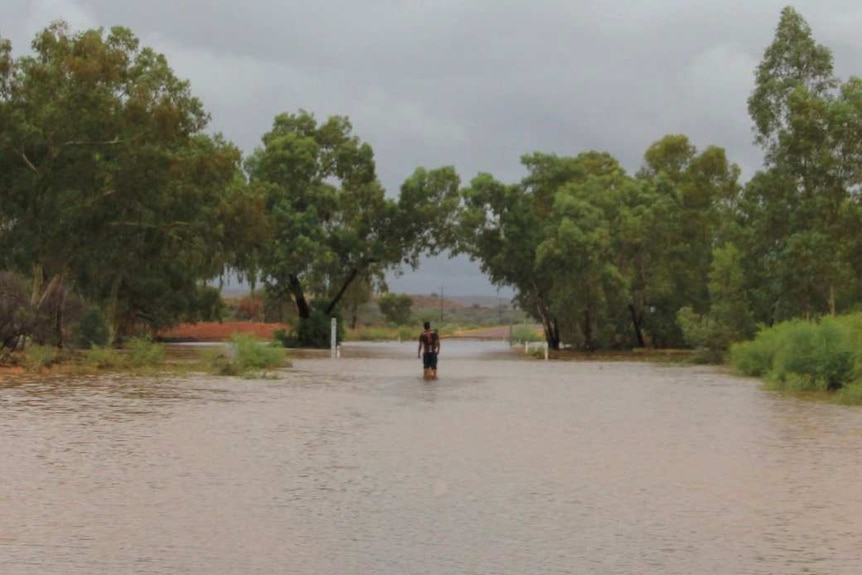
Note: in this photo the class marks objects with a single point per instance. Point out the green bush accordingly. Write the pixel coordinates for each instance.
(313, 332)
(92, 329)
(38, 357)
(754, 358)
(851, 394)
(802, 356)
(103, 358)
(143, 352)
(252, 353)
(245, 354)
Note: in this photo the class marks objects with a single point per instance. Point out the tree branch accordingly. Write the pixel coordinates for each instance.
(27, 161)
(113, 142)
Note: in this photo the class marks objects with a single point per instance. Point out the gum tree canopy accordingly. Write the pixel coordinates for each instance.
(330, 218)
(109, 185)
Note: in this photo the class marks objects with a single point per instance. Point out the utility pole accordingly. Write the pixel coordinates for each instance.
(441, 304)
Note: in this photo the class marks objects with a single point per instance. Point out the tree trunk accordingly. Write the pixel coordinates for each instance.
(549, 325)
(299, 297)
(589, 344)
(636, 321)
(350, 277)
(61, 303)
(38, 280)
(111, 320)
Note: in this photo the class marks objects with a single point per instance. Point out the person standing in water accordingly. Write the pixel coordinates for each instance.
(429, 347)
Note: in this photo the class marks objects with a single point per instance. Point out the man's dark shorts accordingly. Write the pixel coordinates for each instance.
(429, 360)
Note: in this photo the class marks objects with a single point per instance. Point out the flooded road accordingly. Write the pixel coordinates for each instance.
(357, 466)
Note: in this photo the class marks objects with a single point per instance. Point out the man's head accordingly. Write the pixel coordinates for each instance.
(427, 325)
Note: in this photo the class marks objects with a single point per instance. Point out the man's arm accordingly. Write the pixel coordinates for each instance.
(419, 351)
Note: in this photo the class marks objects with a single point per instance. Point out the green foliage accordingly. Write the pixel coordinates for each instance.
(128, 199)
(92, 329)
(804, 356)
(252, 353)
(395, 308)
(103, 358)
(800, 214)
(755, 358)
(143, 352)
(313, 332)
(729, 318)
(851, 394)
(38, 357)
(331, 220)
(245, 354)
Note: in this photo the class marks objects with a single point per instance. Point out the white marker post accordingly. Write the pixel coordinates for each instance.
(333, 343)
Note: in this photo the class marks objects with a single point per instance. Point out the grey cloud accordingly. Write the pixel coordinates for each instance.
(473, 83)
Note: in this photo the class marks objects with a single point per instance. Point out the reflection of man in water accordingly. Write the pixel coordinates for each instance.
(429, 347)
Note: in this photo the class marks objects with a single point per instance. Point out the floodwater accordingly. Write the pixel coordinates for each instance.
(357, 466)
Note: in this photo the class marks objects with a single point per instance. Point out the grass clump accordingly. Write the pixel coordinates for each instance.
(99, 357)
(40, 357)
(143, 352)
(244, 355)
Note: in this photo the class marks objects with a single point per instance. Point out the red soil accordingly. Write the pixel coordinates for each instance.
(221, 331)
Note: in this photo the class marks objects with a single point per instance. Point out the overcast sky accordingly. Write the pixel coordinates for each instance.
(470, 83)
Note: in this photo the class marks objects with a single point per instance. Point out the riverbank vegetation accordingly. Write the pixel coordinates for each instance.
(120, 210)
(818, 358)
(242, 355)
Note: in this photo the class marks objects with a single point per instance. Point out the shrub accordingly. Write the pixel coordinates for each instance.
(314, 331)
(102, 358)
(245, 353)
(143, 352)
(252, 353)
(754, 358)
(802, 356)
(851, 394)
(38, 357)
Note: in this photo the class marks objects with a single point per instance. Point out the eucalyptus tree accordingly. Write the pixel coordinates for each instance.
(110, 184)
(501, 228)
(330, 219)
(803, 210)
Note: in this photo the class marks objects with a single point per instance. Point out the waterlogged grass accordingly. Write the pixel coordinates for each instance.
(40, 357)
(822, 357)
(145, 353)
(246, 355)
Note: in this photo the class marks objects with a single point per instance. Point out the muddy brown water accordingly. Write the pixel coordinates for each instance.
(504, 465)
